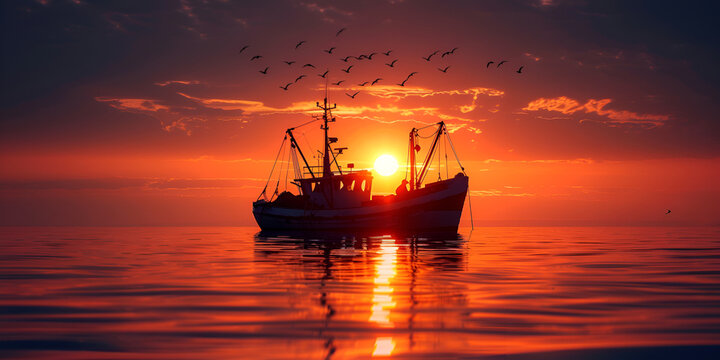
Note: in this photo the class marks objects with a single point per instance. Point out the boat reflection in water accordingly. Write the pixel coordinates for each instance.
(376, 278)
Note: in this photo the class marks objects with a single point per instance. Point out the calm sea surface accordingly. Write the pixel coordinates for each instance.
(199, 293)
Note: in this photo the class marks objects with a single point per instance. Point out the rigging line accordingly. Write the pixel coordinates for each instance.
(439, 150)
(429, 136)
(447, 171)
(455, 152)
(282, 145)
(277, 184)
(407, 161)
(472, 225)
(287, 168)
(305, 123)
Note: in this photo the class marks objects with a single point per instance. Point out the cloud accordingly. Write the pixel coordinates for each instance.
(131, 183)
(568, 106)
(132, 104)
(178, 82)
(169, 119)
(329, 13)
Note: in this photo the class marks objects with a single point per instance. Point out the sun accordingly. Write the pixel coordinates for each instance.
(386, 165)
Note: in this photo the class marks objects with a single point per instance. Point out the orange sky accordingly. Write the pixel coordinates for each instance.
(147, 114)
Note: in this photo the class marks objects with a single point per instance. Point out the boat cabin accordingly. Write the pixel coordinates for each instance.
(338, 191)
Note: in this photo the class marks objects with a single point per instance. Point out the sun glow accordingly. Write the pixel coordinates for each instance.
(386, 165)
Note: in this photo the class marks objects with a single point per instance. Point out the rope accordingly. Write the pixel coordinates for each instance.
(472, 225)
(306, 123)
(455, 152)
(263, 193)
(447, 170)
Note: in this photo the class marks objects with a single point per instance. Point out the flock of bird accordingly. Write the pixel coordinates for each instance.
(361, 57)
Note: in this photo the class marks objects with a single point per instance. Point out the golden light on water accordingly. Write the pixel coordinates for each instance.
(382, 301)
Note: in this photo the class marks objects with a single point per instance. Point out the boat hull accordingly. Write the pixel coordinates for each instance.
(437, 207)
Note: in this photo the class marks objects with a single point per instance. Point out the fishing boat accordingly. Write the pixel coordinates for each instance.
(330, 198)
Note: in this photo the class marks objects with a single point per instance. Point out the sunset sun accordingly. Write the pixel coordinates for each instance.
(386, 165)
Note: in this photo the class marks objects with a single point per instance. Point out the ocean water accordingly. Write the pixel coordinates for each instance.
(229, 293)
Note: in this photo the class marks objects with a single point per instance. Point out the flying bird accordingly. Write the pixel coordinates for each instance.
(243, 48)
(264, 72)
(330, 50)
(348, 69)
(353, 95)
(345, 59)
(388, 53)
(392, 63)
(375, 81)
(339, 82)
(449, 52)
(255, 57)
(300, 43)
(299, 78)
(431, 55)
(500, 63)
(289, 62)
(363, 83)
(323, 75)
(519, 70)
(309, 65)
(444, 69)
(339, 32)
(489, 63)
(286, 86)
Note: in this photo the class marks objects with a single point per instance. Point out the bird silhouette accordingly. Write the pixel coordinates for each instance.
(339, 82)
(375, 81)
(404, 81)
(345, 59)
(330, 50)
(363, 83)
(300, 43)
(371, 55)
(489, 63)
(667, 211)
(500, 63)
(299, 78)
(444, 69)
(309, 65)
(392, 63)
(431, 55)
(353, 95)
(264, 72)
(519, 70)
(289, 62)
(339, 32)
(348, 69)
(323, 75)
(449, 52)
(387, 53)
(256, 57)
(286, 86)
(243, 48)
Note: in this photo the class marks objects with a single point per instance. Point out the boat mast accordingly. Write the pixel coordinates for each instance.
(327, 171)
(412, 159)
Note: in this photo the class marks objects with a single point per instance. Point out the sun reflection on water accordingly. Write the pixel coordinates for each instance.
(382, 301)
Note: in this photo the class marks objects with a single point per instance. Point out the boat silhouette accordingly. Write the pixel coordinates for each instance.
(341, 200)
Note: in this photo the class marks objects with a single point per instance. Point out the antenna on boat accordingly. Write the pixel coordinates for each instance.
(327, 171)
